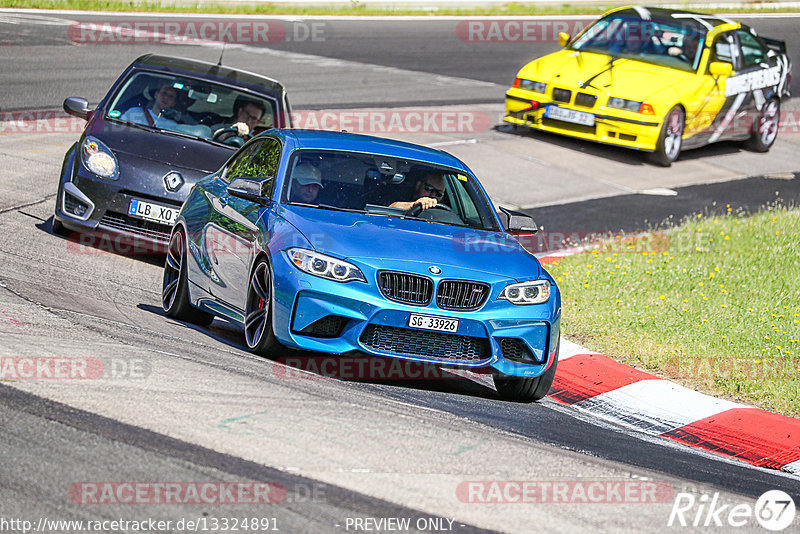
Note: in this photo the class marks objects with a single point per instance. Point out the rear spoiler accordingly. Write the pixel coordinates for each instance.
(775, 44)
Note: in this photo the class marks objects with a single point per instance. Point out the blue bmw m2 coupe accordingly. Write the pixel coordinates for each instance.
(340, 243)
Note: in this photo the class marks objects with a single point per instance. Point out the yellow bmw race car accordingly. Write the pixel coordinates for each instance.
(657, 80)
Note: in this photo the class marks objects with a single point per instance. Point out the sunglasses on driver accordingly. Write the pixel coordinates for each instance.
(435, 193)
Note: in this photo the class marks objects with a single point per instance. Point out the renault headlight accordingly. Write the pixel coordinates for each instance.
(534, 292)
(324, 266)
(99, 159)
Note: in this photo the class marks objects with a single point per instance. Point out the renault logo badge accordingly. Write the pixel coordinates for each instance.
(173, 181)
(434, 269)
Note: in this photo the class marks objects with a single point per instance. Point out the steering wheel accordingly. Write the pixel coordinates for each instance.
(222, 132)
(416, 209)
(171, 114)
(229, 136)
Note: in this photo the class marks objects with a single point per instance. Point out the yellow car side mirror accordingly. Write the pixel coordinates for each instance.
(720, 68)
(563, 38)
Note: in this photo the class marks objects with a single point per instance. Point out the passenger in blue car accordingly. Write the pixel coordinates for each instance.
(429, 190)
(161, 113)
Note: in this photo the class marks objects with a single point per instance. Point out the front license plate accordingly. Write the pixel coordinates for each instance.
(441, 324)
(569, 115)
(153, 212)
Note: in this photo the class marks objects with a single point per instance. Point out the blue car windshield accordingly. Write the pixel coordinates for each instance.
(383, 185)
(189, 106)
(664, 43)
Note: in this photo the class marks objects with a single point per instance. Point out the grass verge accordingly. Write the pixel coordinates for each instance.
(354, 7)
(713, 303)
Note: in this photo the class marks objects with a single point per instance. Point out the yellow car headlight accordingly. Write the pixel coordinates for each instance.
(530, 85)
(630, 105)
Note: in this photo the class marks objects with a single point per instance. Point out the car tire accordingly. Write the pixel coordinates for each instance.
(175, 286)
(670, 140)
(59, 228)
(258, 332)
(765, 127)
(524, 389)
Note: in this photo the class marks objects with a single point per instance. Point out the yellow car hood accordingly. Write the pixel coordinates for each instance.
(629, 78)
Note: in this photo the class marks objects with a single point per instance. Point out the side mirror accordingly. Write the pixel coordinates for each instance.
(253, 189)
(720, 68)
(563, 39)
(519, 223)
(78, 107)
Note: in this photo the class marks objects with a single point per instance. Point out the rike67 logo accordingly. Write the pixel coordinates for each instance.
(774, 510)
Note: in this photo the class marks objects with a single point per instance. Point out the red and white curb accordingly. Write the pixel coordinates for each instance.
(635, 399)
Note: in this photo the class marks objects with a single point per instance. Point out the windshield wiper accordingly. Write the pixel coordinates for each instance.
(175, 133)
(326, 207)
(144, 127)
(178, 134)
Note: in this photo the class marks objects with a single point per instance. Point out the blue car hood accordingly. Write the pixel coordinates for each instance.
(384, 241)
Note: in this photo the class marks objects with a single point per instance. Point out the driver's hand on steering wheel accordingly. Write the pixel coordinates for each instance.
(242, 129)
(425, 202)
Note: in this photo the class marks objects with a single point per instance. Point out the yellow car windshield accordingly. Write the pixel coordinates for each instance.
(658, 42)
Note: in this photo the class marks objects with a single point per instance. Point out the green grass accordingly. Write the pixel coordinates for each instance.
(345, 8)
(713, 303)
(354, 7)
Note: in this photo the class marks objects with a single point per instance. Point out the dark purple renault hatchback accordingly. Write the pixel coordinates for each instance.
(165, 123)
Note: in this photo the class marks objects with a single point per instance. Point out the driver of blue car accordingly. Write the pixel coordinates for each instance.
(429, 190)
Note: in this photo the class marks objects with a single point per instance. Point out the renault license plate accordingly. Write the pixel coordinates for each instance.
(153, 212)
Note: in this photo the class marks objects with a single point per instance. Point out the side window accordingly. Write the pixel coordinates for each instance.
(237, 166)
(752, 52)
(265, 161)
(463, 201)
(725, 50)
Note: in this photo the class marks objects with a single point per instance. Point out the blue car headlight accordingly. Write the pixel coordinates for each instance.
(99, 159)
(324, 266)
(533, 292)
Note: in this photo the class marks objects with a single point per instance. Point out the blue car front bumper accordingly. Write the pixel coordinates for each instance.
(317, 314)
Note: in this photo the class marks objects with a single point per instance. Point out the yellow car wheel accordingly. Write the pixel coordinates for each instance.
(670, 140)
(765, 127)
